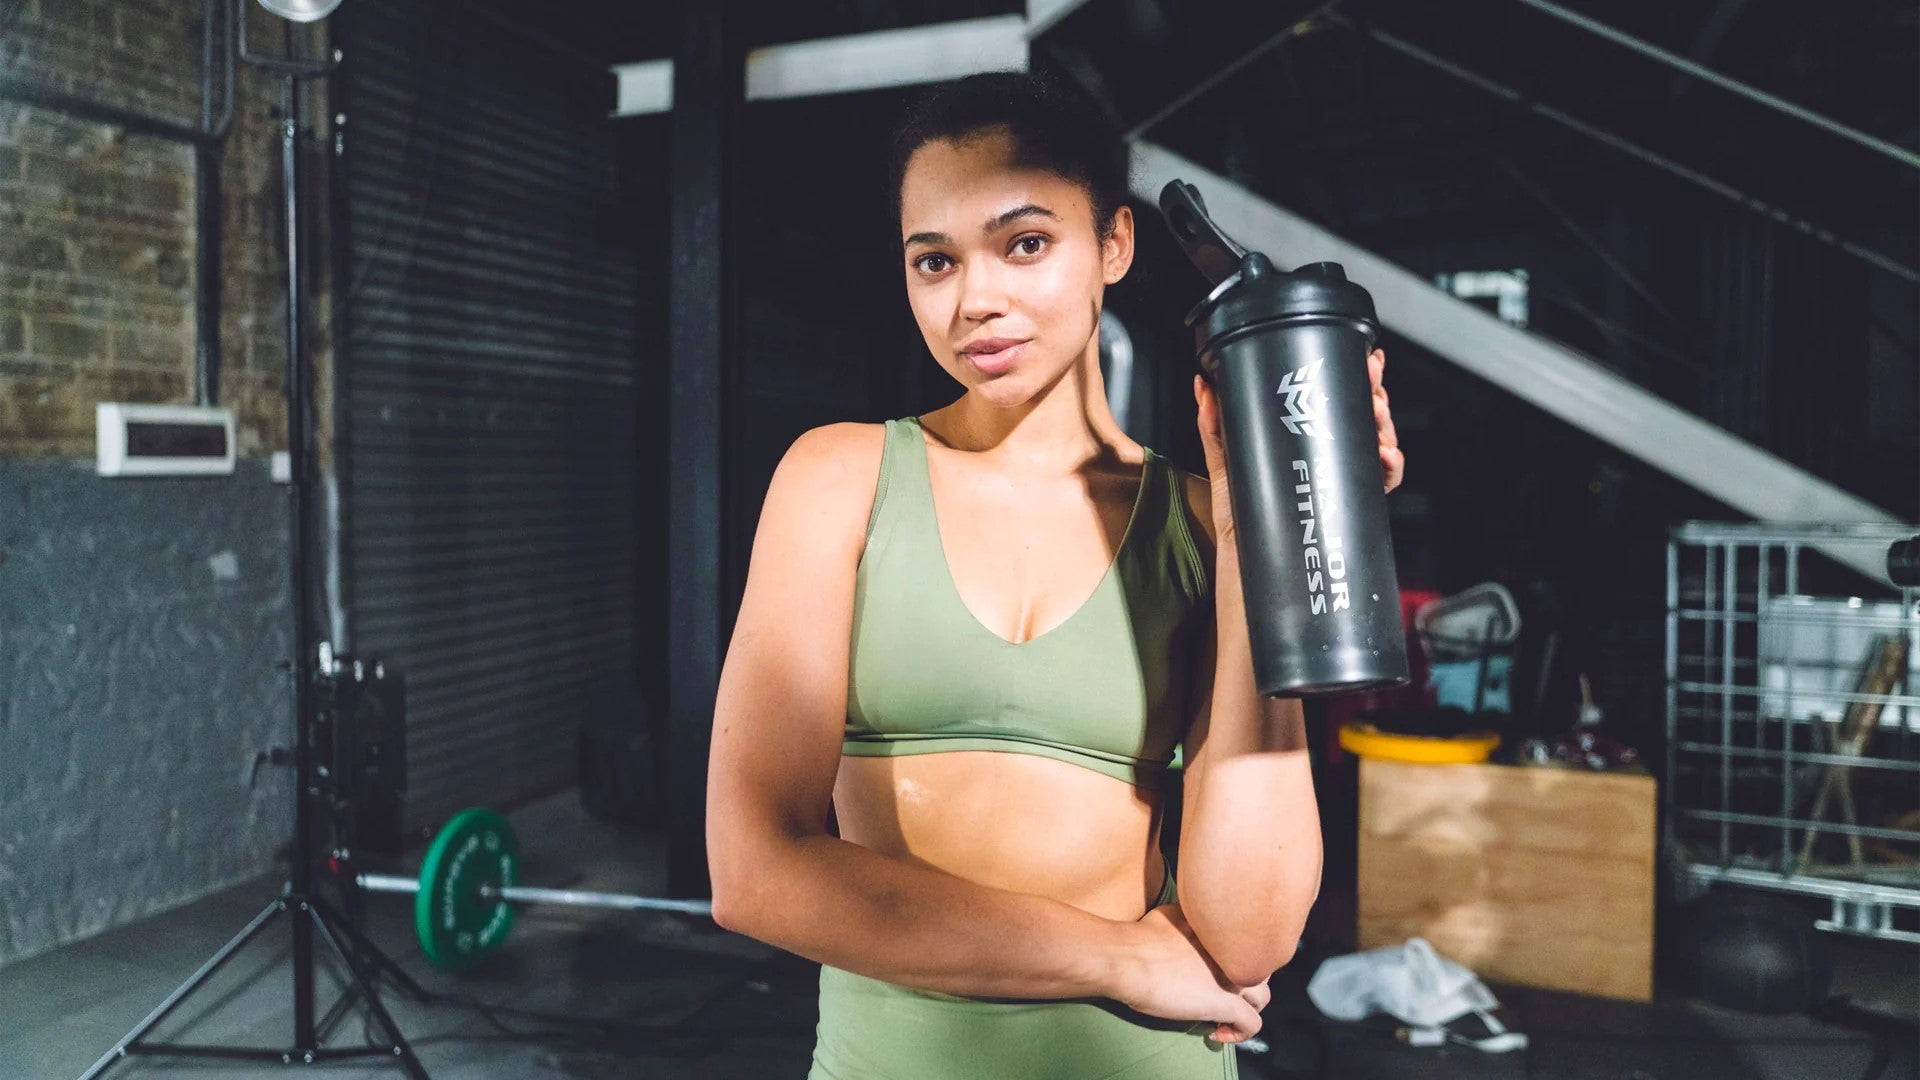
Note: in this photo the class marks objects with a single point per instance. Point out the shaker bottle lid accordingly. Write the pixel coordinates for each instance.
(1248, 289)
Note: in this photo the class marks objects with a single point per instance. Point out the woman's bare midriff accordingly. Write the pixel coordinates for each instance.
(1012, 821)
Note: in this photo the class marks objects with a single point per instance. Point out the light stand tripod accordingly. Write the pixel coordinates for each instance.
(362, 961)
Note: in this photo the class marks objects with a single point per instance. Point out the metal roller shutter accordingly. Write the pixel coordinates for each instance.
(489, 392)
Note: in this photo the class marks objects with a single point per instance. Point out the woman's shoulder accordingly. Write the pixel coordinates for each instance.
(844, 454)
(839, 439)
(819, 495)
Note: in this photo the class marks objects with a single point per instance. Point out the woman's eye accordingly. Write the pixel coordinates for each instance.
(926, 263)
(1030, 245)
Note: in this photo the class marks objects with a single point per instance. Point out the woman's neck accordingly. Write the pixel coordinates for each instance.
(1060, 429)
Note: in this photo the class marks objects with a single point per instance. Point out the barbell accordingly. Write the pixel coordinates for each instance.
(469, 882)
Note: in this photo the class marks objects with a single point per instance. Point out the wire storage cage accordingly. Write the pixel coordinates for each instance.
(1793, 718)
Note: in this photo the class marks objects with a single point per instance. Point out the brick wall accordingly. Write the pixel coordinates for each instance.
(97, 269)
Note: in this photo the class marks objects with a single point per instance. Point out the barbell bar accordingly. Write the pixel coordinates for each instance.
(469, 881)
(530, 894)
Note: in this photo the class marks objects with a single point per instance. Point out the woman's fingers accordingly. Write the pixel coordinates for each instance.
(1392, 461)
(1245, 1021)
(1383, 416)
(1242, 1022)
(1394, 464)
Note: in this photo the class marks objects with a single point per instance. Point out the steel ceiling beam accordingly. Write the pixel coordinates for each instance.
(1694, 176)
(1706, 74)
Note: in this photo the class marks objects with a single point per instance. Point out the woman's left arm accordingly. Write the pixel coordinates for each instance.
(1250, 850)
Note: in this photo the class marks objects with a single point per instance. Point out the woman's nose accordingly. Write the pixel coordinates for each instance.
(983, 292)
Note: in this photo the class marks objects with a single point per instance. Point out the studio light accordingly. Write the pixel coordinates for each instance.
(301, 11)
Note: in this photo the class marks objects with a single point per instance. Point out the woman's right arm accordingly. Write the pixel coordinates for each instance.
(778, 874)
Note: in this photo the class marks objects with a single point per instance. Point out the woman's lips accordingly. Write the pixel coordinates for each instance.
(999, 360)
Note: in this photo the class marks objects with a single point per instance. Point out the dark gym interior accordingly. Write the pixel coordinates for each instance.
(495, 319)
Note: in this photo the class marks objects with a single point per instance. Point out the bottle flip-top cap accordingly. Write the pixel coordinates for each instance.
(1247, 289)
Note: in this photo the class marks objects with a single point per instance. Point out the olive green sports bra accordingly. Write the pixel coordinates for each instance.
(1107, 689)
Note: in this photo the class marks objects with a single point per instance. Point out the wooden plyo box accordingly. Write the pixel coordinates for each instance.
(1530, 876)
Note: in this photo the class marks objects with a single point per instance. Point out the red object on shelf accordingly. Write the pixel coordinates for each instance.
(1342, 709)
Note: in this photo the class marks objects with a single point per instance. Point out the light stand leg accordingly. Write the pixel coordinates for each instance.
(212, 965)
(377, 963)
(363, 985)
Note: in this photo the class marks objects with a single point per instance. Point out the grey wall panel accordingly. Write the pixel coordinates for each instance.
(491, 348)
(142, 624)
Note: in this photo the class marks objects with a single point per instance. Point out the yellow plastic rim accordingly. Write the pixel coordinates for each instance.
(1368, 741)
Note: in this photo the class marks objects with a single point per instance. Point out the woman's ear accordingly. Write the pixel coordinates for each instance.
(1116, 252)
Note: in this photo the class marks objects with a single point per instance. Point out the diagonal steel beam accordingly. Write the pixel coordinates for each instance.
(1561, 381)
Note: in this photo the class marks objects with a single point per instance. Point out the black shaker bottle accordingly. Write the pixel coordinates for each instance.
(1286, 354)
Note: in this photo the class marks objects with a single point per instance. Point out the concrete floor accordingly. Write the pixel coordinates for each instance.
(739, 1009)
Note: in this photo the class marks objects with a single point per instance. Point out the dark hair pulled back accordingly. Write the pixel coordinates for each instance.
(1054, 125)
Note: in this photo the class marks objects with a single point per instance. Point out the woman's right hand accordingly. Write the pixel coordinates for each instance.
(1168, 974)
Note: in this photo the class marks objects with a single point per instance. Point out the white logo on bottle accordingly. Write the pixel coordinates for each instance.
(1303, 413)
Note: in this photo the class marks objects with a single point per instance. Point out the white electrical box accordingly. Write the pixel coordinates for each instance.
(163, 440)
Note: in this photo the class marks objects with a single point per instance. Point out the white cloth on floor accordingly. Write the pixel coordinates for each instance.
(1416, 985)
(1409, 981)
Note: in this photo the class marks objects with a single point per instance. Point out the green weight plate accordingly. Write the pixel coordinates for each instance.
(457, 928)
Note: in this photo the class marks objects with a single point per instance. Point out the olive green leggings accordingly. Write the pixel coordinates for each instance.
(875, 1030)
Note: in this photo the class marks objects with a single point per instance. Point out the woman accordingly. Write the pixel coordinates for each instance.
(978, 636)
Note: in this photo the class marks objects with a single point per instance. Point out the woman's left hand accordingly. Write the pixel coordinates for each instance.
(1393, 463)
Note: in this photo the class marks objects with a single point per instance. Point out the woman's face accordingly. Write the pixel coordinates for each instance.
(1004, 271)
